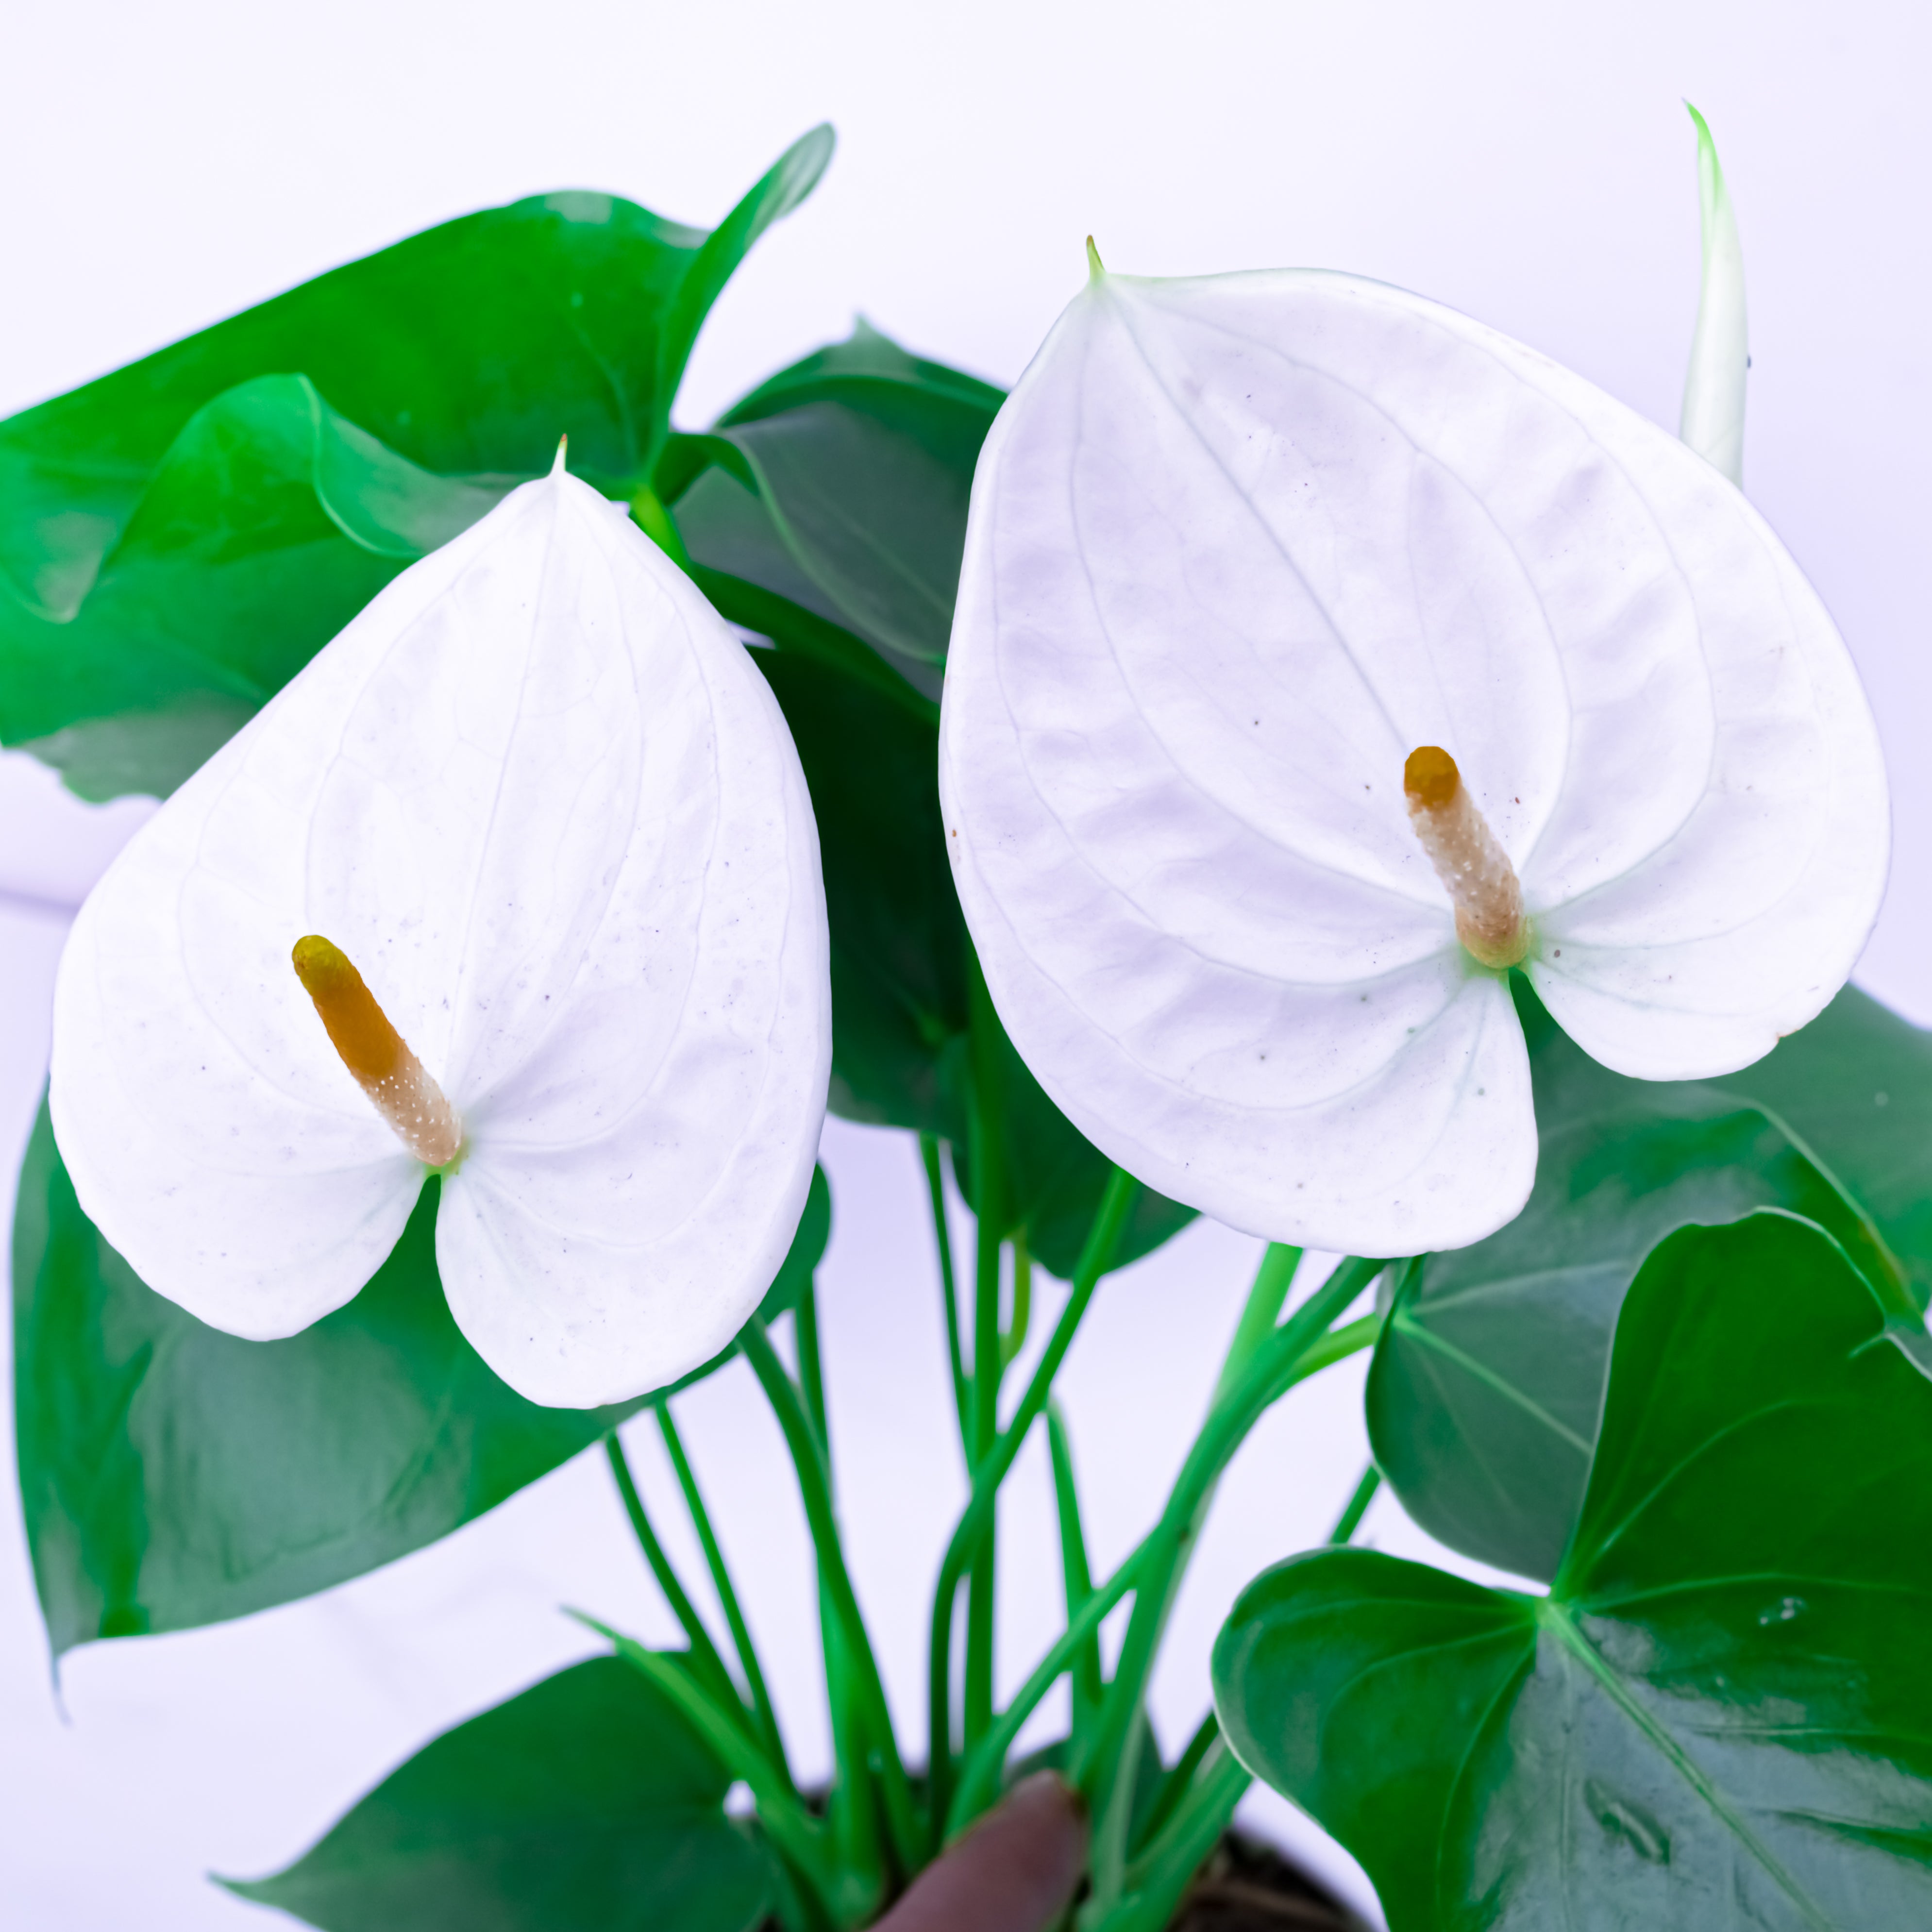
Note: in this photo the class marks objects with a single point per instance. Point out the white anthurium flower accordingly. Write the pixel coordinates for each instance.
(1319, 655)
(538, 827)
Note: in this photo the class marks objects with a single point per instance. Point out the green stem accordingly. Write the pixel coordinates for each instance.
(935, 1181)
(1077, 1578)
(1155, 1881)
(1259, 1313)
(979, 1775)
(812, 1370)
(792, 1828)
(1014, 1339)
(1175, 1786)
(984, 1126)
(1350, 1520)
(1297, 1348)
(815, 1490)
(727, 1597)
(656, 521)
(705, 1661)
(1109, 1218)
(852, 1807)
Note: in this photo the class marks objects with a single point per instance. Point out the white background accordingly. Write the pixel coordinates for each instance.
(1530, 163)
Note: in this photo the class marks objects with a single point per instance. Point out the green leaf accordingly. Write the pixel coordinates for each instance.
(842, 484)
(266, 492)
(1487, 1381)
(898, 942)
(585, 1803)
(1720, 1714)
(172, 1475)
(461, 355)
(1855, 1086)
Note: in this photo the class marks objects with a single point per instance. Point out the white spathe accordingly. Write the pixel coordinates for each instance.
(542, 797)
(1237, 546)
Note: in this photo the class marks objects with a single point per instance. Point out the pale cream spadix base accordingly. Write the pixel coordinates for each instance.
(1474, 869)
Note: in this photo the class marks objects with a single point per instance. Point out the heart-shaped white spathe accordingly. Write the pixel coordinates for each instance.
(1237, 546)
(540, 795)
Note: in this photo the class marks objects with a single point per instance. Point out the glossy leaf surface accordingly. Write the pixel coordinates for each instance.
(842, 483)
(1720, 1714)
(1855, 1086)
(586, 1804)
(432, 375)
(171, 1475)
(1487, 1383)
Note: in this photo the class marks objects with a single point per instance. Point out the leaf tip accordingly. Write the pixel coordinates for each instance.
(557, 467)
(1096, 269)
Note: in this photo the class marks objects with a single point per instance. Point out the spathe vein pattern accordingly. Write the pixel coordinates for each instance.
(540, 798)
(1239, 547)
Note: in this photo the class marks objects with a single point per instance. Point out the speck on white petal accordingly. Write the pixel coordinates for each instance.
(1237, 546)
(540, 796)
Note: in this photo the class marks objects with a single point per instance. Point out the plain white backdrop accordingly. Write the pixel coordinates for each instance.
(1530, 163)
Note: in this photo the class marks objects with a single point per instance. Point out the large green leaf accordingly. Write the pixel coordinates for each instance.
(586, 1804)
(1487, 1381)
(1721, 1714)
(175, 541)
(172, 1475)
(1855, 1086)
(842, 484)
(898, 942)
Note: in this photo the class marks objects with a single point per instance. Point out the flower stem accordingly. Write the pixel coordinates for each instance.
(815, 1490)
(1259, 1313)
(727, 1597)
(1102, 1236)
(985, 1119)
(1153, 1883)
(812, 1370)
(1014, 1339)
(935, 1181)
(1297, 1348)
(706, 1663)
(979, 1775)
(1357, 1506)
(1077, 1579)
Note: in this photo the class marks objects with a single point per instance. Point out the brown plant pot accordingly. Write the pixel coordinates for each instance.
(1021, 1867)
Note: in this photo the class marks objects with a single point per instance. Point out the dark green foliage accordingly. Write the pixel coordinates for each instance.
(585, 1803)
(172, 1475)
(1717, 1717)
(179, 538)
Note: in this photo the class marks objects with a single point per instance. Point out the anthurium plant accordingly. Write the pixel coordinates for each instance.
(1302, 758)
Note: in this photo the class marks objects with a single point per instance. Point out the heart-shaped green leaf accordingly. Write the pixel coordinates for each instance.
(172, 1475)
(1855, 1086)
(842, 484)
(1488, 1378)
(1719, 1715)
(585, 1803)
(461, 354)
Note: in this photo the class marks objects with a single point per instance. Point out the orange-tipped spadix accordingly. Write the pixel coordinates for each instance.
(385, 1069)
(1475, 869)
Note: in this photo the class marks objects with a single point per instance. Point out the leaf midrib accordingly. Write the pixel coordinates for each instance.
(1557, 1618)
